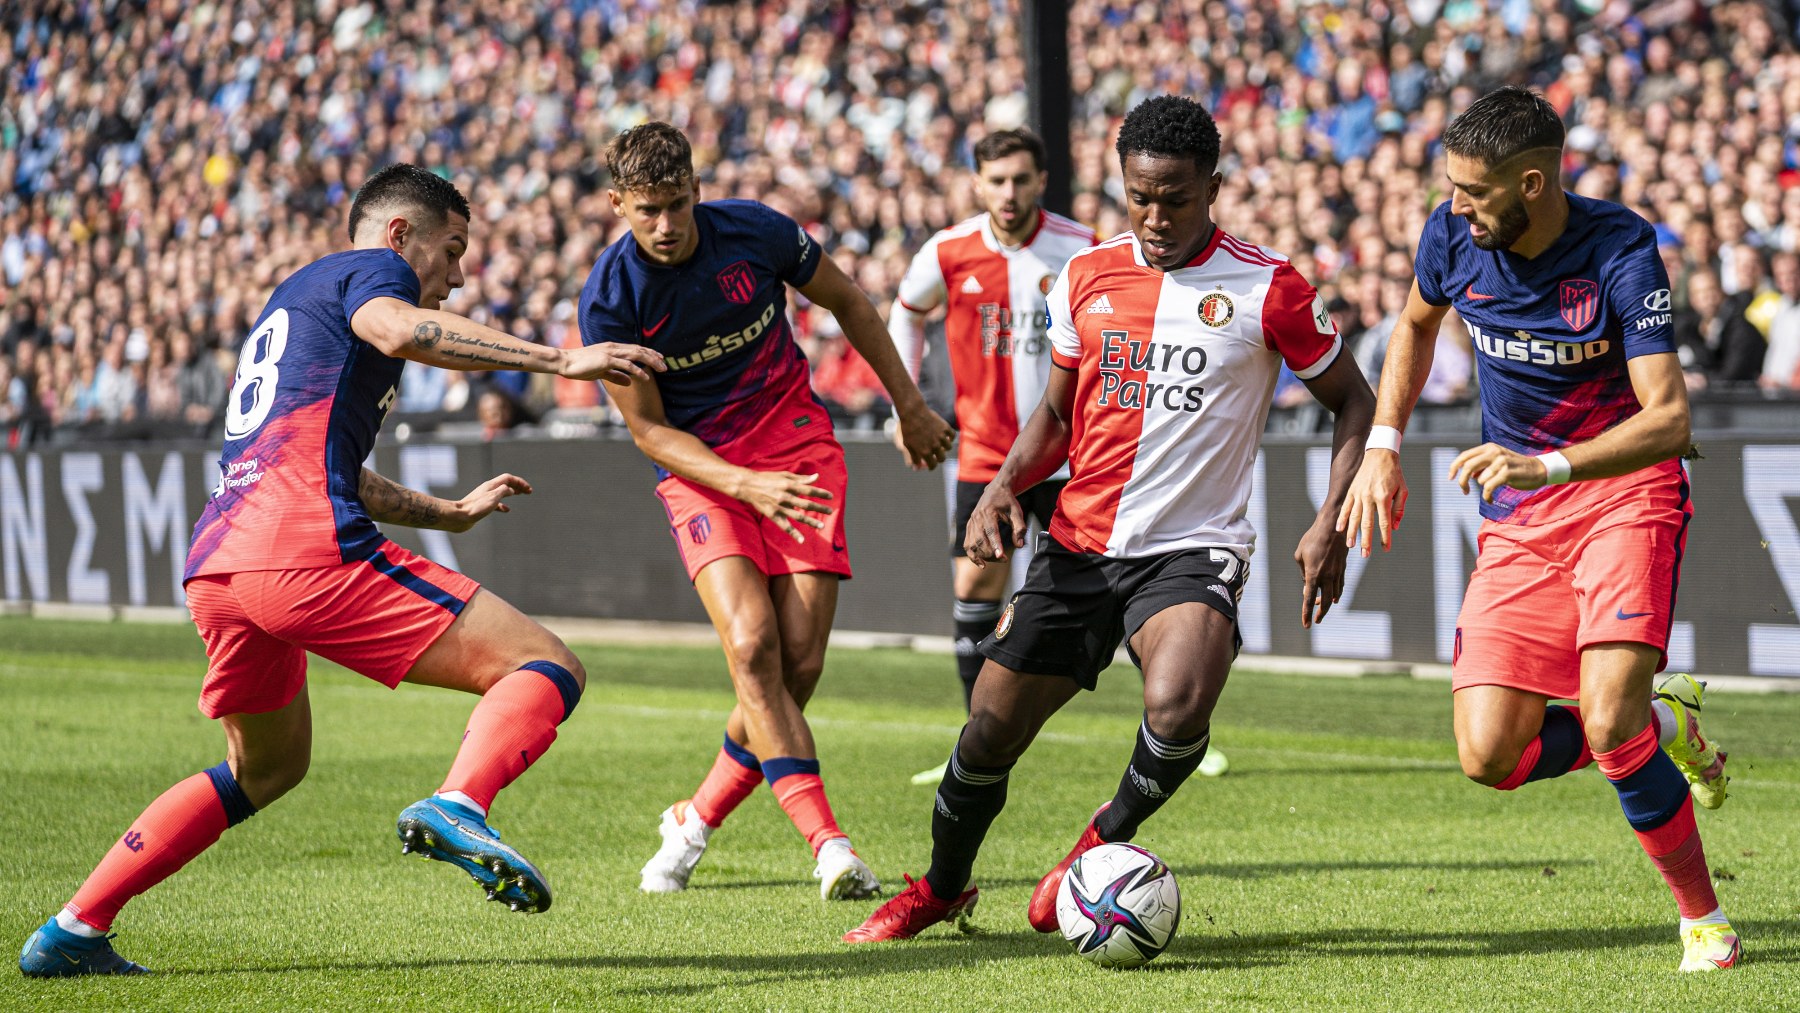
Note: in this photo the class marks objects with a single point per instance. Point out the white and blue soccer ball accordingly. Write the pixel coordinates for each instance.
(1119, 905)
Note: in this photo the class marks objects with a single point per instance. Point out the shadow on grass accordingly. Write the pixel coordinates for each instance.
(1247, 768)
(1209, 949)
(1227, 870)
(1270, 870)
(1204, 949)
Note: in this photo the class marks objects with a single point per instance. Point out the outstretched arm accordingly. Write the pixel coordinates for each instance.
(926, 436)
(389, 502)
(440, 338)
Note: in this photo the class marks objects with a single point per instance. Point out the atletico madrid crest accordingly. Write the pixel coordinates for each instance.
(1216, 309)
(738, 283)
(1580, 300)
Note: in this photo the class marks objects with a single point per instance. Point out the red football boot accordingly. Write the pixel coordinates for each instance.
(912, 911)
(1042, 912)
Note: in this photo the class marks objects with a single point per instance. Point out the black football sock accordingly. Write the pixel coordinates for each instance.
(1158, 767)
(967, 801)
(974, 620)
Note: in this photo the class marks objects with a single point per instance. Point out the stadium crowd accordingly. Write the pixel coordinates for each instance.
(165, 164)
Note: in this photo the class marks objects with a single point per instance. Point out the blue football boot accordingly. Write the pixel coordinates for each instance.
(448, 832)
(55, 952)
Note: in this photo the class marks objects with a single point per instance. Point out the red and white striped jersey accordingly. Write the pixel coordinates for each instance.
(1174, 374)
(994, 326)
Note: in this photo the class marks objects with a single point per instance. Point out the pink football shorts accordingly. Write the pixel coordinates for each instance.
(709, 525)
(373, 617)
(1543, 591)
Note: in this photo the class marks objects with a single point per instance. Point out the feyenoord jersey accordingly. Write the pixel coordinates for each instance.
(1552, 336)
(994, 325)
(736, 377)
(304, 409)
(1174, 374)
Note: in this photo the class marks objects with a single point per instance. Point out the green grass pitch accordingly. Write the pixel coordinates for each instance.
(1343, 863)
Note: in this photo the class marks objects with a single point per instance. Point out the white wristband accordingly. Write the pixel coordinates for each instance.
(1383, 438)
(1556, 467)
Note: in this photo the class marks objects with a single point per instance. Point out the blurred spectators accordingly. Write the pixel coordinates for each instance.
(199, 383)
(1781, 363)
(167, 163)
(498, 413)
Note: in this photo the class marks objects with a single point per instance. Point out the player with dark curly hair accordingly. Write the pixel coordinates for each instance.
(1165, 344)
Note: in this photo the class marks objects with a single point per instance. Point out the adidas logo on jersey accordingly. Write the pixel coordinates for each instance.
(971, 286)
(1100, 305)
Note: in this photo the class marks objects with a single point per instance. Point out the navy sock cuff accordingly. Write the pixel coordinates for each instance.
(231, 794)
(1653, 794)
(1559, 742)
(787, 766)
(744, 757)
(563, 680)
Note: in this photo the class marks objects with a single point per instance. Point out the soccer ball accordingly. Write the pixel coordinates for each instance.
(1119, 905)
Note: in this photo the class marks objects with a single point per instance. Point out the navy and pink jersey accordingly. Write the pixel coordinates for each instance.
(736, 377)
(301, 418)
(1552, 335)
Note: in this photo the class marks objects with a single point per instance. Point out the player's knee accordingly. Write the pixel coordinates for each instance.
(1606, 733)
(801, 675)
(1179, 712)
(1485, 764)
(753, 648)
(801, 681)
(991, 739)
(267, 778)
(570, 664)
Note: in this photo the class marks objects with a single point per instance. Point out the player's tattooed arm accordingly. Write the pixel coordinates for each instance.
(428, 336)
(438, 338)
(389, 502)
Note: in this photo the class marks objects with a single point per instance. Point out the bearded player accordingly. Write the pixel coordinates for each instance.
(991, 274)
(751, 477)
(286, 559)
(1583, 497)
(1167, 343)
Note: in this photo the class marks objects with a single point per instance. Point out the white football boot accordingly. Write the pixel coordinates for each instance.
(684, 836)
(842, 874)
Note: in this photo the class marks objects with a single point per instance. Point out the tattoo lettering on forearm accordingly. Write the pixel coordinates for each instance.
(393, 503)
(462, 348)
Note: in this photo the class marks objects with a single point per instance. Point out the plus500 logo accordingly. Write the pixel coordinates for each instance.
(1539, 351)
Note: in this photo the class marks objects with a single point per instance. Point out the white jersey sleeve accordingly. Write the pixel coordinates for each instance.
(921, 291)
(1065, 344)
(922, 288)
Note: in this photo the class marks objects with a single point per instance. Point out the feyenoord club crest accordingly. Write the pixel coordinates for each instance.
(1005, 625)
(1580, 300)
(1045, 282)
(737, 282)
(1216, 309)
